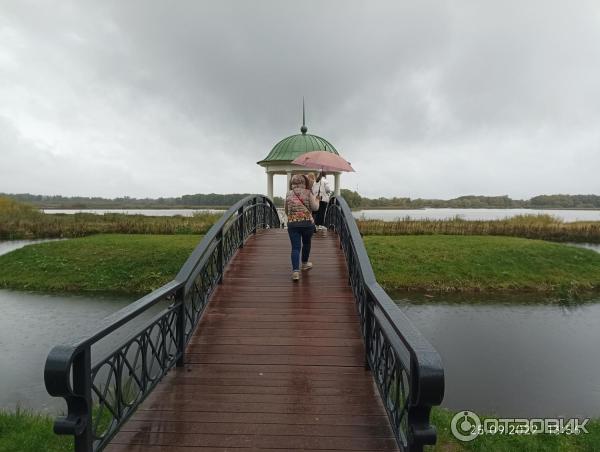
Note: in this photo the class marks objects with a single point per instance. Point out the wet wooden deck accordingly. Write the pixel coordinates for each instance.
(274, 365)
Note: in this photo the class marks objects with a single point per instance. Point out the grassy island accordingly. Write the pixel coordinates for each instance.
(481, 263)
(117, 263)
(139, 263)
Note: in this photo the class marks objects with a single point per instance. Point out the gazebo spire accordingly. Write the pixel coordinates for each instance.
(303, 129)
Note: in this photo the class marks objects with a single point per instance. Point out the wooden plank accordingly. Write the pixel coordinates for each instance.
(274, 365)
(299, 360)
(262, 417)
(355, 431)
(274, 341)
(246, 386)
(305, 350)
(255, 441)
(193, 398)
(277, 331)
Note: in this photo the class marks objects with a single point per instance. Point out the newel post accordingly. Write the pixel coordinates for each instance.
(82, 386)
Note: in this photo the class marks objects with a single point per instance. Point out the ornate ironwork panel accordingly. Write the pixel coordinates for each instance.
(102, 394)
(407, 370)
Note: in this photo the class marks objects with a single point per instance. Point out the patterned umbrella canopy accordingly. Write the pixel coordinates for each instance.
(324, 161)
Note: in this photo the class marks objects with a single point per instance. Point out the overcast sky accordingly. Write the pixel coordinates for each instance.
(426, 99)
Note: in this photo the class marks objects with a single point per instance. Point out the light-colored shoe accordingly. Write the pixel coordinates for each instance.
(295, 276)
(306, 265)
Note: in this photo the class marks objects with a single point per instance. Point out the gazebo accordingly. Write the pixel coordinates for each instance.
(279, 160)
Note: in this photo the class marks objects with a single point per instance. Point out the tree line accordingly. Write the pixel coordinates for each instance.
(199, 200)
(354, 199)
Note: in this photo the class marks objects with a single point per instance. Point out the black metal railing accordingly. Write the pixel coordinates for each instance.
(406, 368)
(102, 394)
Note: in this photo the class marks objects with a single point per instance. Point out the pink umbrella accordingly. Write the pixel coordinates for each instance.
(324, 161)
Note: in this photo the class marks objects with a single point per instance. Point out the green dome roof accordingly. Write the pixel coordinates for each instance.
(294, 146)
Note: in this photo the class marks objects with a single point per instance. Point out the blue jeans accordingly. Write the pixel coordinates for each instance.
(300, 237)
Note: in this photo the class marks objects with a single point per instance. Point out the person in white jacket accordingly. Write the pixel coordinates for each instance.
(322, 190)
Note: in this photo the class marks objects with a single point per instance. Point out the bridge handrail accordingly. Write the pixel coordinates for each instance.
(407, 369)
(134, 367)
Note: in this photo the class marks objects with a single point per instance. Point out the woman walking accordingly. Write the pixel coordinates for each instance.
(322, 191)
(299, 205)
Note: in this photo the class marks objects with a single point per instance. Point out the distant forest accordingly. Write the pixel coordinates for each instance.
(354, 199)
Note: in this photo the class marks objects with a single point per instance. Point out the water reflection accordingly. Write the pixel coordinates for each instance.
(513, 358)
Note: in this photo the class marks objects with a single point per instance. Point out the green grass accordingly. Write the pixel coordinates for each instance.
(130, 264)
(442, 418)
(481, 263)
(23, 431)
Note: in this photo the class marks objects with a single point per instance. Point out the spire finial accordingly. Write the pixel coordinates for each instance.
(303, 129)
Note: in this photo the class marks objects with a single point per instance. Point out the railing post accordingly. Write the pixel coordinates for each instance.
(264, 222)
(254, 214)
(420, 431)
(241, 218)
(367, 331)
(220, 265)
(180, 298)
(82, 385)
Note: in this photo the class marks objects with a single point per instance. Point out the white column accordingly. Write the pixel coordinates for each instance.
(337, 184)
(289, 179)
(270, 185)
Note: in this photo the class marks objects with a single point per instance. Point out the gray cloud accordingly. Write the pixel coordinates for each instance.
(432, 99)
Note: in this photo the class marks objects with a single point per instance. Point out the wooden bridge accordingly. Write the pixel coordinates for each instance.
(242, 358)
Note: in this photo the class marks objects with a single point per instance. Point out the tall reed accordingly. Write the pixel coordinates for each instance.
(20, 221)
(544, 227)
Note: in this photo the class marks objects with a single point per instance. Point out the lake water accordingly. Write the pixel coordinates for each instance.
(505, 356)
(590, 246)
(30, 325)
(147, 212)
(11, 245)
(476, 214)
(387, 215)
(513, 358)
